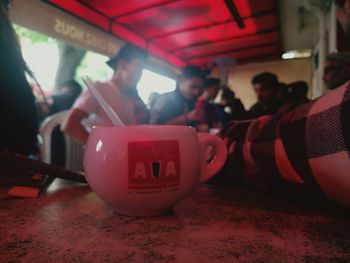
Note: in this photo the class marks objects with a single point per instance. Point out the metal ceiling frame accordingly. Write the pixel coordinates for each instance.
(189, 29)
(229, 4)
(145, 9)
(111, 21)
(263, 32)
(150, 40)
(234, 12)
(226, 39)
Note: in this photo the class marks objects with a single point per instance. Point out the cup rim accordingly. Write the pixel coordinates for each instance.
(146, 126)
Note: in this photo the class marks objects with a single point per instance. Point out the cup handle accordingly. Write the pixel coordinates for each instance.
(210, 169)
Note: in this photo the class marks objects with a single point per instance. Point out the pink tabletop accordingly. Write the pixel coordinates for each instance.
(69, 223)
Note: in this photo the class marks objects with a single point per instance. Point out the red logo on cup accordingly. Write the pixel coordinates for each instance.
(153, 164)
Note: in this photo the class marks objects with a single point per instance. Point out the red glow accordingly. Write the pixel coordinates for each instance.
(189, 30)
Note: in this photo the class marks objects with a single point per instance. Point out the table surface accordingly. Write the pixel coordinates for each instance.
(69, 223)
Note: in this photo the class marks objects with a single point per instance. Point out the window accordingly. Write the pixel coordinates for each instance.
(153, 82)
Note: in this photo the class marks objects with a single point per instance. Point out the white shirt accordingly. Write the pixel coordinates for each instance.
(120, 103)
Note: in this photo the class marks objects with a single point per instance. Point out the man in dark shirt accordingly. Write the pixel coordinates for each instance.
(298, 92)
(230, 108)
(178, 107)
(266, 87)
(205, 104)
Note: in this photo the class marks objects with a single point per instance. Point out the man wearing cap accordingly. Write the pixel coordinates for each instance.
(128, 64)
(178, 107)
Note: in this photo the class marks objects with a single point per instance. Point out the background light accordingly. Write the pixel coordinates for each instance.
(305, 53)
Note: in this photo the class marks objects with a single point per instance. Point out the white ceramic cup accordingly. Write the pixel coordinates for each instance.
(145, 170)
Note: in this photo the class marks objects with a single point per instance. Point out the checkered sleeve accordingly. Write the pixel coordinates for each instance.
(305, 147)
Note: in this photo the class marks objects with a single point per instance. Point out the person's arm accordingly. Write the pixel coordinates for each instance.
(179, 120)
(82, 108)
(72, 125)
(195, 115)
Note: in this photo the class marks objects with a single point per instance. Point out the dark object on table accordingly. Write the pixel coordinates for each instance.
(30, 186)
(15, 162)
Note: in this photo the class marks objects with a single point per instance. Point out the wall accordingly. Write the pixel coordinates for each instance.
(295, 37)
(286, 70)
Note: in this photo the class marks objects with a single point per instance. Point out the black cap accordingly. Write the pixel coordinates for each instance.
(127, 52)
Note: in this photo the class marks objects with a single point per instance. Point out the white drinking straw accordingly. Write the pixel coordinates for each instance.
(112, 115)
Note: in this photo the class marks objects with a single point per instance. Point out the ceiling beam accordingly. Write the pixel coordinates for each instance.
(142, 9)
(94, 9)
(232, 41)
(125, 26)
(234, 12)
(272, 43)
(222, 40)
(189, 29)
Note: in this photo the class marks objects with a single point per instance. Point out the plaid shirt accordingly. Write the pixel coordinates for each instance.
(304, 148)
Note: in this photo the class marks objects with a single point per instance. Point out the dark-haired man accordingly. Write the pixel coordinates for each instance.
(303, 149)
(266, 87)
(178, 107)
(128, 64)
(230, 108)
(209, 117)
(298, 92)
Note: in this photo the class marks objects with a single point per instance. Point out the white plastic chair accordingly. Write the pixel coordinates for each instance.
(74, 150)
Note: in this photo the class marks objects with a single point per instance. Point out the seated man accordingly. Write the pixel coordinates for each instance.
(128, 64)
(230, 108)
(298, 92)
(178, 107)
(305, 149)
(205, 106)
(267, 89)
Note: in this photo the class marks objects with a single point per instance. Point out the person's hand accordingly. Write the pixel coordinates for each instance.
(196, 115)
(202, 127)
(72, 125)
(44, 108)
